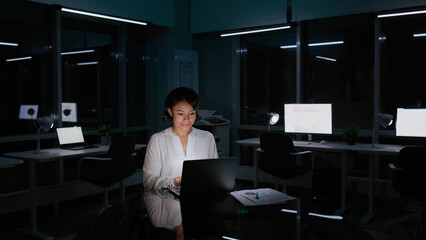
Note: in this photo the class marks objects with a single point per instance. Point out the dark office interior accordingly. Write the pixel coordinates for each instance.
(118, 74)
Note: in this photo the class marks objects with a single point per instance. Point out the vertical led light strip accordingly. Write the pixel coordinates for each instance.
(102, 16)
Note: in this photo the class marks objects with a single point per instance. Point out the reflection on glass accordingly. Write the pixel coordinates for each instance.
(164, 211)
(268, 72)
(25, 64)
(89, 70)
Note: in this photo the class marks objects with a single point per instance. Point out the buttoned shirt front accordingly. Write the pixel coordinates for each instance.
(164, 155)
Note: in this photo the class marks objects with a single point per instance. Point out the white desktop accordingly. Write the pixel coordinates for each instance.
(410, 122)
(308, 118)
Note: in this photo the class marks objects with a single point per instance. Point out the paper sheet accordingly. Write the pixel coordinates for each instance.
(261, 196)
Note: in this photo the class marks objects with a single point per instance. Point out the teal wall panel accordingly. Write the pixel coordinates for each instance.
(315, 9)
(220, 15)
(157, 12)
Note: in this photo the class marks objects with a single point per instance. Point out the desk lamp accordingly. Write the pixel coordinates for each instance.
(45, 124)
(384, 120)
(273, 118)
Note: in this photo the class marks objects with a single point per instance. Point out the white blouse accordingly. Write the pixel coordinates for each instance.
(164, 155)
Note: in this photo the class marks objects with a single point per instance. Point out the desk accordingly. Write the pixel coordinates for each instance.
(49, 155)
(344, 148)
(9, 162)
(158, 215)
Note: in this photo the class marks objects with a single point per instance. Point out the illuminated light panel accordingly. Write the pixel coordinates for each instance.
(229, 238)
(102, 16)
(254, 31)
(288, 46)
(313, 44)
(326, 58)
(77, 52)
(288, 210)
(401, 14)
(86, 63)
(419, 35)
(9, 44)
(335, 217)
(325, 43)
(18, 59)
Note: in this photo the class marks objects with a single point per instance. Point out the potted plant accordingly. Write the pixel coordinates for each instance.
(105, 131)
(349, 133)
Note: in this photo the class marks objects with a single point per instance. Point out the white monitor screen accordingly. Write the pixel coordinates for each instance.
(308, 118)
(69, 135)
(410, 122)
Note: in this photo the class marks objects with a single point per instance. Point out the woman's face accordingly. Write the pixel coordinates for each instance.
(183, 115)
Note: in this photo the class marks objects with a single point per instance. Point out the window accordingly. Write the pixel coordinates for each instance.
(89, 70)
(29, 80)
(341, 72)
(403, 63)
(268, 75)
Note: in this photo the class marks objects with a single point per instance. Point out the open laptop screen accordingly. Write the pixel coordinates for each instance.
(70, 135)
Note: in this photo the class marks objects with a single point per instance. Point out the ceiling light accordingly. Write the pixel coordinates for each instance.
(288, 46)
(401, 14)
(18, 59)
(77, 52)
(254, 31)
(324, 43)
(326, 58)
(86, 63)
(103, 16)
(419, 35)
(9, 44)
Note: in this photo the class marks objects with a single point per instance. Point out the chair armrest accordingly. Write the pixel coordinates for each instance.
(299, 153)
(393, 168)
(302, 153)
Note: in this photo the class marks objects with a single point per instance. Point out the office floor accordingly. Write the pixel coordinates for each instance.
(73, 215)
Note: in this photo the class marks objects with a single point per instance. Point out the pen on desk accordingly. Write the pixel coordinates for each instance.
(257, 195)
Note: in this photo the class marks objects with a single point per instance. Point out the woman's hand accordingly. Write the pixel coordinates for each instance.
(177, 181)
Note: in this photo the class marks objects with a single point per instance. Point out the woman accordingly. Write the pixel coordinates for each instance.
(167, 149)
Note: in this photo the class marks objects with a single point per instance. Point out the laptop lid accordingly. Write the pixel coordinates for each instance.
(208, 177)
(68, 136)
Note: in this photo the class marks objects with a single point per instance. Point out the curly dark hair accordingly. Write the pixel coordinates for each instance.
(178, 95)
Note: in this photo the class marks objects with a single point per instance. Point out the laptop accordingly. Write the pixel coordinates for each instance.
(72, 138)
(207, 178)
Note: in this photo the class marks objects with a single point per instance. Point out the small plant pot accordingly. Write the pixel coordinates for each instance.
(105, 140)
(351, 140)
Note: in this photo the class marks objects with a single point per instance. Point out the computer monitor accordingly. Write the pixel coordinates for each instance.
(309, 118)
(410, 122)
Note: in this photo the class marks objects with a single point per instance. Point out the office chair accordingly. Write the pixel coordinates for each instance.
(106, 171)
(277, 156)
(408, 179)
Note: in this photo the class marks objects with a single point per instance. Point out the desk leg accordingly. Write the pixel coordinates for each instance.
(33, 206)
(256, 168)
(342, 209)
(371, 189)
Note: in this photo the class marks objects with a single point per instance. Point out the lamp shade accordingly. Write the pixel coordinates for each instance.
(385, 119)
(45, 123)
(273, 118)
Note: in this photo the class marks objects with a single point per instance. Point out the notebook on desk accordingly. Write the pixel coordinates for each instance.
(72, 138)
(207, 178)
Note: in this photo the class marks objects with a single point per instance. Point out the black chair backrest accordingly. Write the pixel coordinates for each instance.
(122, 164)
(412, 179)
(275, 158)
